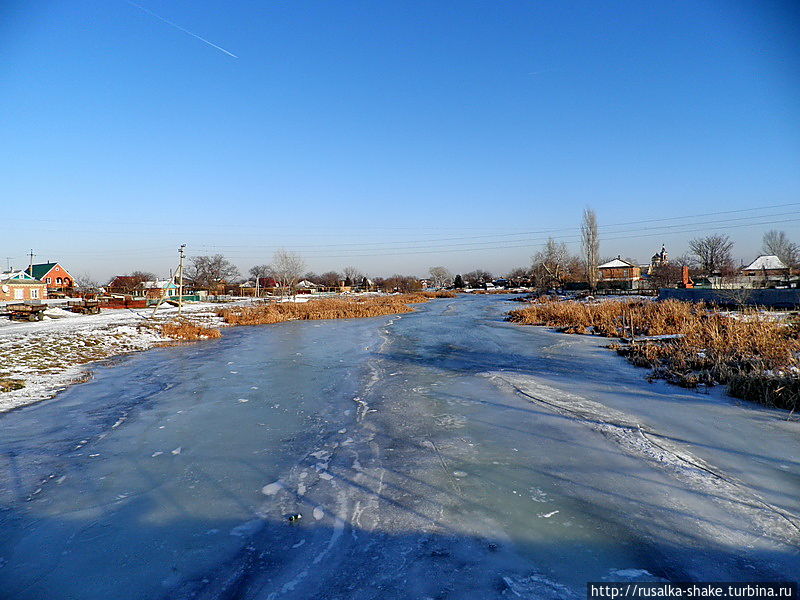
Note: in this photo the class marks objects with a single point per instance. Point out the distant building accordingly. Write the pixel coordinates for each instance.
(20, 286)
(163, 288)
(619, 271)
(306, 287)
(123, 284)
(55, 277)
(659, 259)
(766, 270)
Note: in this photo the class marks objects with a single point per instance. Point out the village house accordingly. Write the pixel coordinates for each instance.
(619, 273)
(766, 270)
(20, 286)
(306, 287)
(123, 284)
(56, 278)
(155, 290)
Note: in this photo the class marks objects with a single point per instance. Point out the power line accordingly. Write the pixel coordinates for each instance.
(363, 249)
(661, 229)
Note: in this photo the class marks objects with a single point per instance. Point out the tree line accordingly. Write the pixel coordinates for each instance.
(552, 266)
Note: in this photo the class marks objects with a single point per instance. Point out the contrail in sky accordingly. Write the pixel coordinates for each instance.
(179, 28)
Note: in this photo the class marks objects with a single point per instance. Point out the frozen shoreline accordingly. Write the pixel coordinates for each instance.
(52, 354)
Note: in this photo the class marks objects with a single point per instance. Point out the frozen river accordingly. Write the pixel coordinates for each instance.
(442, 454)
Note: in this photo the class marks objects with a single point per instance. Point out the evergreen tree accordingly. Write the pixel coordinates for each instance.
(458, 282)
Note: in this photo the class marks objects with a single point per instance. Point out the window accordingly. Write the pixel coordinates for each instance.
(34, 294)
(58, 279)
(66, 281)
(49, 280)
(19, 294)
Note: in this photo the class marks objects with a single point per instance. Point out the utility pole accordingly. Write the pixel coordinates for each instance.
(8, 263)
(180, 279)
(179, 272)
(30, 266)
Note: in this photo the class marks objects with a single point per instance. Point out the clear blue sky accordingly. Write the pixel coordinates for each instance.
(392, 128)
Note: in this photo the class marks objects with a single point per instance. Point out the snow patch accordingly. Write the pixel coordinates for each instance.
(272, 488)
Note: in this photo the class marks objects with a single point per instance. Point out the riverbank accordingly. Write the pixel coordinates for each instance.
(755, 353)
(37, 360)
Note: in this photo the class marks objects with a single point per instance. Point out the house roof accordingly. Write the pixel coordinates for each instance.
(766, 262)
(17, 277)
(123, 280)
(306, 284)
(161, 284)
(41, 269)
(617, 263)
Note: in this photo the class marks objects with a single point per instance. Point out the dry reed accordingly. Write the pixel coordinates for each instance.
(187, 331)
(754, 353)
(326, 308)
(440, 294)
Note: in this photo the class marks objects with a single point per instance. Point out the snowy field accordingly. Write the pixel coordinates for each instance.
(48, 355)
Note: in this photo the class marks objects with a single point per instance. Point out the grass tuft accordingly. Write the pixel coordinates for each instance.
(186, 331)
(9, 385)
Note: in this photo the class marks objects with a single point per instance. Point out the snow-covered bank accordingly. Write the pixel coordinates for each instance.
(42, 358)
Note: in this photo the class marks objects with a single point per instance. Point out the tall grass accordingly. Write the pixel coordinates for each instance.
(186, 331)
(754, 353)
(327, 308)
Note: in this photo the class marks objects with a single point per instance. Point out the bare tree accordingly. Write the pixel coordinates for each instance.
(713, 253)
(685, 260)
(330, 279)
(86, 283)
(590, 242)
(128, 284)
(777, 243)
(287, 268)
(402, 283)
(141, 276)
(440, 276)
(518, 275)
(552, 265)
(209, 271)
(260, 271)
(477, 278)
(352, 275)
(668, 275)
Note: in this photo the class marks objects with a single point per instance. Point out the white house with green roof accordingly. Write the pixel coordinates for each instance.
(19, 286)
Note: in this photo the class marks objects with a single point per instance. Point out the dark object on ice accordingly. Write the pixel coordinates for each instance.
(294, 518)
(492, 547)
(439, 553)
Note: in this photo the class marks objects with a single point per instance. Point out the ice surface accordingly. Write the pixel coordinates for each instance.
(435, 491)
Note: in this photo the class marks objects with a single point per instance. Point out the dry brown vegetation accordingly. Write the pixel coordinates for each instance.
(440, 294)
(324, 308)
(186, 331)
(503, 291)
(8, 385)
(756, 354)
